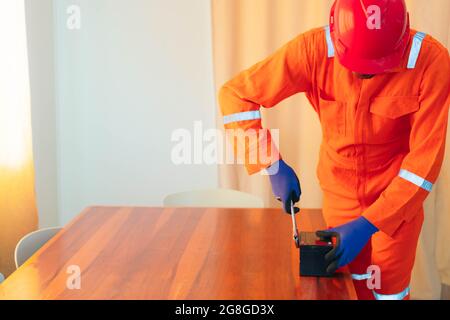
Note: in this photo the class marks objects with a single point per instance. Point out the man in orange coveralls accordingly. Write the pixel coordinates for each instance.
(381, 91)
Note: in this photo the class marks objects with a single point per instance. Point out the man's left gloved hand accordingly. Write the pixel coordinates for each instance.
(351, 238)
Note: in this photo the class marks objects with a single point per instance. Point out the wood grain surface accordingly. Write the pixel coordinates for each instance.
(175, 253)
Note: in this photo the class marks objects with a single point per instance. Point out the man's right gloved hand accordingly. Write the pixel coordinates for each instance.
(285, 185)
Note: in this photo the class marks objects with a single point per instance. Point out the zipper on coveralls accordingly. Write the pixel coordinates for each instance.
(360, 148)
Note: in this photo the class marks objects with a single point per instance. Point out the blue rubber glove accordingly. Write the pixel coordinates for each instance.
(351, 238)
(285, 185)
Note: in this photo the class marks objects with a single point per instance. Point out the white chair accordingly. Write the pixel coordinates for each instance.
(31, 243)
(213, 198)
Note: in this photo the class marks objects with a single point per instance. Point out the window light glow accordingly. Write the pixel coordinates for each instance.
(15, 115)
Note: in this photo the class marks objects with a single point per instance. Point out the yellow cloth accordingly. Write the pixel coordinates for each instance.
(247, 31)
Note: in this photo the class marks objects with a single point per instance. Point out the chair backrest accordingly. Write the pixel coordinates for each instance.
(31, 243)
(214, 198)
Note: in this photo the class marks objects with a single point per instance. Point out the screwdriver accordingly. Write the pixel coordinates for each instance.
(294, 227)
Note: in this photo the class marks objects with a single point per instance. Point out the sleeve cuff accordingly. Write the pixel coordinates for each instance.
(388, 224)
(266, 163)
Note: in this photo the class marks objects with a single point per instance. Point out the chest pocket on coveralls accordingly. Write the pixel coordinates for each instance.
(332, 115)
(390, 117)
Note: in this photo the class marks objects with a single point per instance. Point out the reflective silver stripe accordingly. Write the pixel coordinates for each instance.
(361, 277)
(243, 116)
(415, 179)
(415, 49)
(329, 42)
(399, 296)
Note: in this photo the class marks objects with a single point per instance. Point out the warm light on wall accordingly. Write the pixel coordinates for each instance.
(15, 126)
(18, 214)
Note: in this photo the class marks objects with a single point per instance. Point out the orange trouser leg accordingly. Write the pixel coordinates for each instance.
(358, 269)
(395, 257)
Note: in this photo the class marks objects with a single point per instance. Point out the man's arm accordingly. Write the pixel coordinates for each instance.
(420, 168)
(264, 85)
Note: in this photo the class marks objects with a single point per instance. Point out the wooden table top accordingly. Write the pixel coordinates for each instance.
(176, 253)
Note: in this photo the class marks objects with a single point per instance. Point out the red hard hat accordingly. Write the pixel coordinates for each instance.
(370, 36)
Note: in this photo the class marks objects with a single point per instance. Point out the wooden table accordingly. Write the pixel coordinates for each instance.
(156, 253)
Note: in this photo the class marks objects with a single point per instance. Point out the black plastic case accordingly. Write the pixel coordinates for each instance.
(312, 255)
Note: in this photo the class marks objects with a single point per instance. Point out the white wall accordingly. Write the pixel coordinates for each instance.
(133, 73)
(39, 16)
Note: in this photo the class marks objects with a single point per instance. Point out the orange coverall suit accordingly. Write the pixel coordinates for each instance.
(383, 140)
